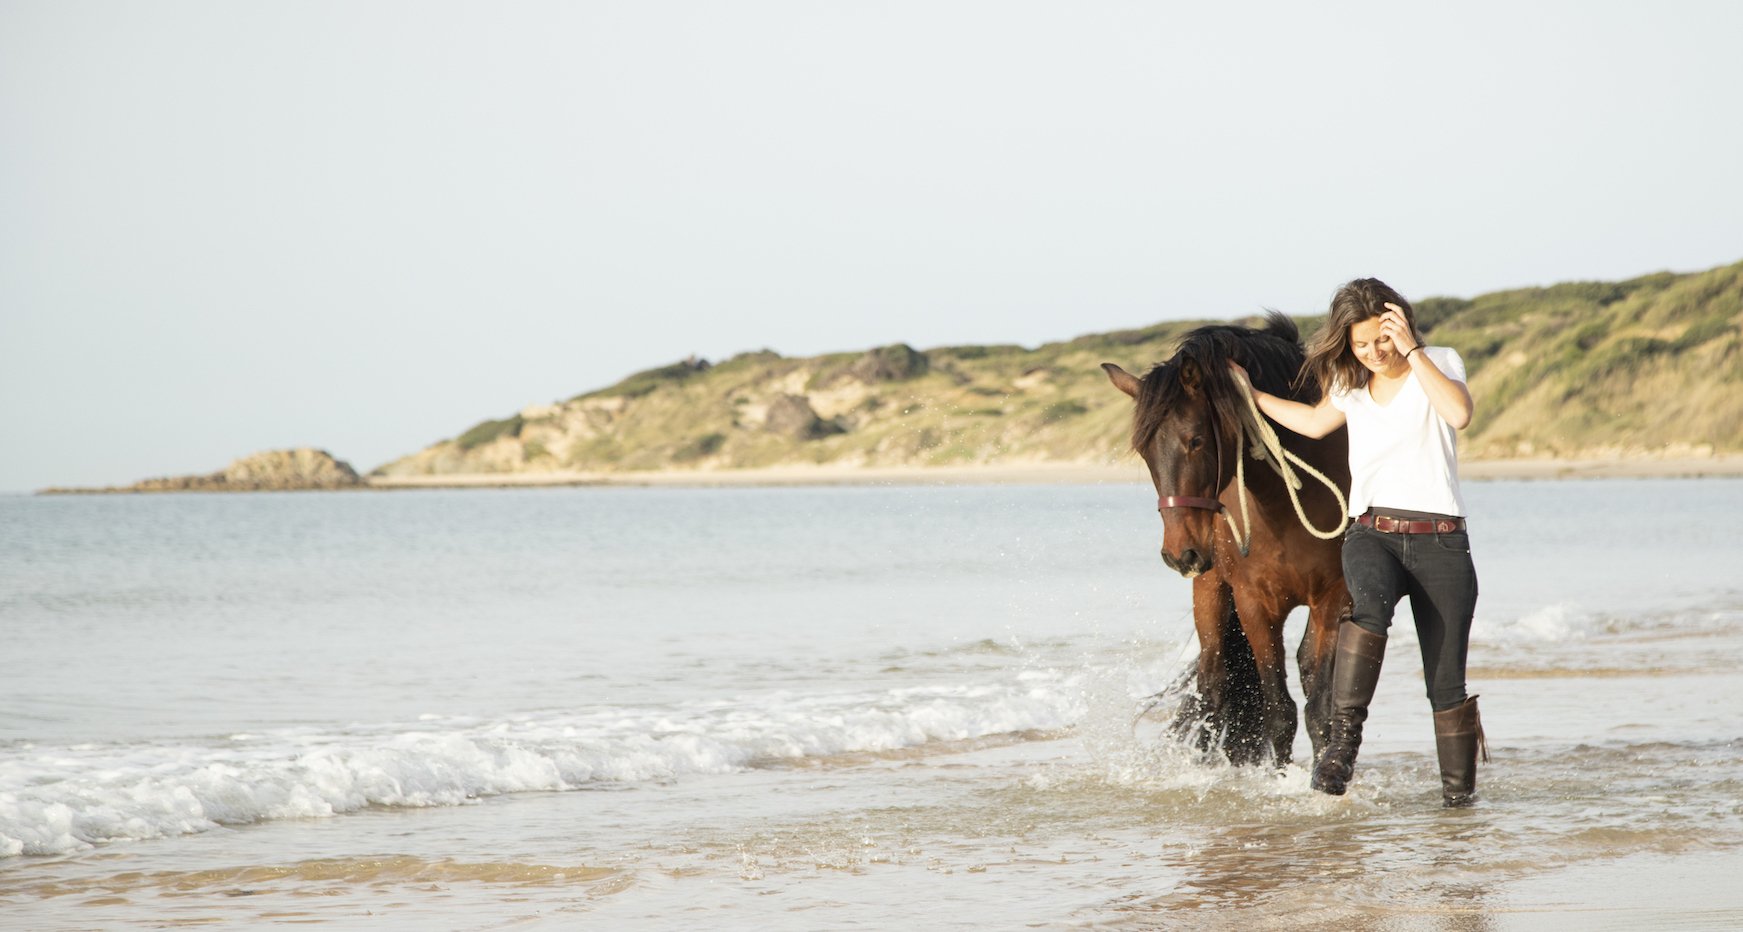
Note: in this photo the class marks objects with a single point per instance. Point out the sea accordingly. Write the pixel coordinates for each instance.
(868, 707)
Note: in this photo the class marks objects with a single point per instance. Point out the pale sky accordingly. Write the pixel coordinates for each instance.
(235, 226)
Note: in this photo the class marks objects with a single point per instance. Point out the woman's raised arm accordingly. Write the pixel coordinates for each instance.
(1307, 420)
(1451, 398)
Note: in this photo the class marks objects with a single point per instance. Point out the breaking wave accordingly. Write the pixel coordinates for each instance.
(65, 798)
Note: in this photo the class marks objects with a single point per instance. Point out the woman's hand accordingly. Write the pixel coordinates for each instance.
(1240, 374)
(1450, 399)
(1393, 324)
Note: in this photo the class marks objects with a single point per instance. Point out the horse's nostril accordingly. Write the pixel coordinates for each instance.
(1189, 558)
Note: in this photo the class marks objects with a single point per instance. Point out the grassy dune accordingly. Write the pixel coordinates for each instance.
(1654, 363)
(1652, 366)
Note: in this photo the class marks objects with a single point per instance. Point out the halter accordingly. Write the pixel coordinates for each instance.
(1188, 501)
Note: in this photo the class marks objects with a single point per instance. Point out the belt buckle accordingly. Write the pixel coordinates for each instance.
(1385, 523)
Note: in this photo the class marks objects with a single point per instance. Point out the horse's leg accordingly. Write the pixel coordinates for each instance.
(1203, 712)
(1244, 702)
(1263, 625)
(1318, 646)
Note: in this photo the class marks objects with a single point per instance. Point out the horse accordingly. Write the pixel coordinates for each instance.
(1234, 527)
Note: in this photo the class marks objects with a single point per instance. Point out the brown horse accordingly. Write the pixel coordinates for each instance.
(1249, 568)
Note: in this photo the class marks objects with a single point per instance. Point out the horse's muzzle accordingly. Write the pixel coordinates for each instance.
(1190, 563)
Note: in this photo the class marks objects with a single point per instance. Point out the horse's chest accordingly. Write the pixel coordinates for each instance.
(1285, 575)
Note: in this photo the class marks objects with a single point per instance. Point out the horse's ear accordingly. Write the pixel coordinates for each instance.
(1123, 380)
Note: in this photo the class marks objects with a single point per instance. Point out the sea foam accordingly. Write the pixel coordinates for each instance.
(59, 799)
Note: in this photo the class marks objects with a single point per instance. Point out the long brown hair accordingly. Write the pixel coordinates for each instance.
(1329, 358)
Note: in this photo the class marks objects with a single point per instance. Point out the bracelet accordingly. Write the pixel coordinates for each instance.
(1412, 350)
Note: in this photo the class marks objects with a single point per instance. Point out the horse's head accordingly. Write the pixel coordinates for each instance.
(1190, 453)
(1185, 425)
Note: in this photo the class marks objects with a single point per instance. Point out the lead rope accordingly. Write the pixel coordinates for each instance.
(1267, 447)
(1242, 542)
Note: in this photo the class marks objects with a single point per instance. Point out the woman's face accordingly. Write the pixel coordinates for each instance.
(1374, 350)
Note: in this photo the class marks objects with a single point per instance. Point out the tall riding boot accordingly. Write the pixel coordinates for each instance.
(1458, 732)
(1354, 673)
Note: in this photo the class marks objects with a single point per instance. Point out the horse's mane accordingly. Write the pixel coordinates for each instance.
(1272, 356)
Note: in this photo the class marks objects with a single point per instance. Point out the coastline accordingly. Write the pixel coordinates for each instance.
(1618, 467)
(790, 475)
(1129, 470)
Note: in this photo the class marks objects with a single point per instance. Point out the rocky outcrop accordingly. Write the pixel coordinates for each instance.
(792, 416)
(289, 469)
(895, 363)
(271, 471)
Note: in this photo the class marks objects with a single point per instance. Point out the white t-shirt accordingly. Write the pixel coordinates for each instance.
(1403, 454)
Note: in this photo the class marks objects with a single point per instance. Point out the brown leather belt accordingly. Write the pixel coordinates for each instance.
(1390, 525)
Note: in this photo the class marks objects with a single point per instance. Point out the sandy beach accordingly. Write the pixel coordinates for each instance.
(1122, 471)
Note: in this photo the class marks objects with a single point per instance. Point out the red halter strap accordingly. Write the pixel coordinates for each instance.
(1188, 501)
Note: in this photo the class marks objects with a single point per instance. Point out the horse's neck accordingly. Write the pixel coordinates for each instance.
(1265, 486)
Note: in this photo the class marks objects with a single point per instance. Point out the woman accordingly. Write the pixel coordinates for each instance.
(1403, 402)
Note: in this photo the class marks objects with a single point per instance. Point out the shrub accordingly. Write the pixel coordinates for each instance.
(979, 352)
(705, 445)
(1590, 335)
(1060, 410)
(1431, 312)
(1621, 356)
(897, 362)
(1703, 330)
(1603, 294)
(750, 360)
(649, 380)
(1476, 354)
(487, 431)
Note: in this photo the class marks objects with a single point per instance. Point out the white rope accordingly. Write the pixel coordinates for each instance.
(1267, 447)
(1243, 543)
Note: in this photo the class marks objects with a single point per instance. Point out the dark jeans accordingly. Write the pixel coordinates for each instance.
(1435, 570)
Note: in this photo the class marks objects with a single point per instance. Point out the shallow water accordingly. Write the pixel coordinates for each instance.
(807, 708)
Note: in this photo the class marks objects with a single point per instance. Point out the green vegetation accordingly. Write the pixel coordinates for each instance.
(649, 380)
(487, 431)
(1588, 366)
(1060, 410)
(1578, 367)
(977, 352)
(765, 359)
(827, 370)
(703, 446)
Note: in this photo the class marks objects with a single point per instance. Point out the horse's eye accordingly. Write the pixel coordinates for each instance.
(1195, 444)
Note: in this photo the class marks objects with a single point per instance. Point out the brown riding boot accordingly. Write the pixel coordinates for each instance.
(1354, 673)
(1458, 733)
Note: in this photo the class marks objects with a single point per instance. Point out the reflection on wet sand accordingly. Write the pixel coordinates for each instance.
(1347, 875)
